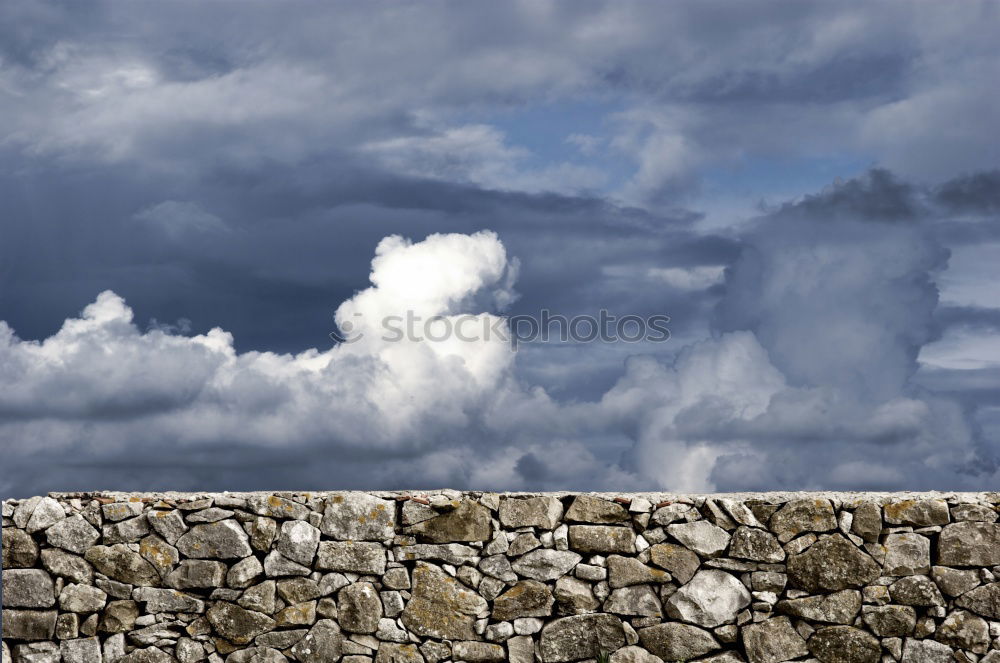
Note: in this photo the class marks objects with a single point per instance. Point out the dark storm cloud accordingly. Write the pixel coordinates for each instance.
(239, 169)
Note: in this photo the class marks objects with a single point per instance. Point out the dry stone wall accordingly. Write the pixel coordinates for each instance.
(486, 577)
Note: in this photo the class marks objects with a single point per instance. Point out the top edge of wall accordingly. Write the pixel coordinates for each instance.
(654, 497)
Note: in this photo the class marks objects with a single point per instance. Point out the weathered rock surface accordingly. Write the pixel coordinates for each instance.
(440, 606)
(484, 578)
(844, 644)
(579, 637)
(831, 564)
(711, 599)
(543, 512)
(773, 641)
(677, 642)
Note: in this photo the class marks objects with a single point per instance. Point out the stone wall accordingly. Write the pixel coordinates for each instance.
(483, 577)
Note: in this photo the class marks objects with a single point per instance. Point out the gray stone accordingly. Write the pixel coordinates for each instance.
(844, 644)
(260, 598)
(546, 564)
(127, 531)
(702, 537)
(575, 597)
(625, 571)
(634, 654)
(983, 600)
(117, 511)
(277, 565)
(28, 588)
(163, 556)
(836, 608)
(955, 582)
(82, 599)
(440, 606)
(167, 600)
(523, 543)
(543, 512)
(67, 626)
(468, 521)
(298, 541)
(907, 554)
(211, 515)
(168, 524)
(710, 599)
(831, 564)
(677, 642)
(916, 590)
(396, 578)
(236, 624)
(581, 636)
(969, 544)
(449, 553)
(280, 639)
(197, 574)
(257, 655)
(34, 652)
(973, 512)
(634, 601)
(681, 562)
(66, 565)
(120, 563)
(917, 513)
(359, 608)
(359, 517)
(390, 652)
(800, 516)
(47, 513)
(19, 550)
(889, 621)
(590, 509)
(478, 652)
(520, 649)
(966, 631)
(147, 655)
(867, 522)
(773, 641)
(756, 544)
(244, 573)
(221, 540)
(299, 590)
(275, 506)
(263, 532)
(926, 651)
(81, 650)
(118, 617)
(73, 534)
(498, 566)
(601, 539)
(29, 624)
(300, 614)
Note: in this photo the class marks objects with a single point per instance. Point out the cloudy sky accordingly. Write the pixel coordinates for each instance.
(194, 196)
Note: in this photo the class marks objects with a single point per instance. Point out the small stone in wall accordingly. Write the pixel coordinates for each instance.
(580, 637)
(702, 537)
(800, 516)
(831, 564)
(597, 510)
(543, 512)
(681, 562)
(773, 641)
(844, 644)
(710, 599)
(601, 539)
(672, 641)
(546, 564)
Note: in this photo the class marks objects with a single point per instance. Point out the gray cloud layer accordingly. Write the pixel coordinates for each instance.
(239, 170)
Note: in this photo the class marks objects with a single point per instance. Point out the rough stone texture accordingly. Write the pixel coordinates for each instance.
(440, 606)
(773, 641)
(580, 637)
(528, 598)
(542, 512)
(677, 642)
(831, 564)
(836, 608)
(844, 644)
(711, 599)
(483, 578)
